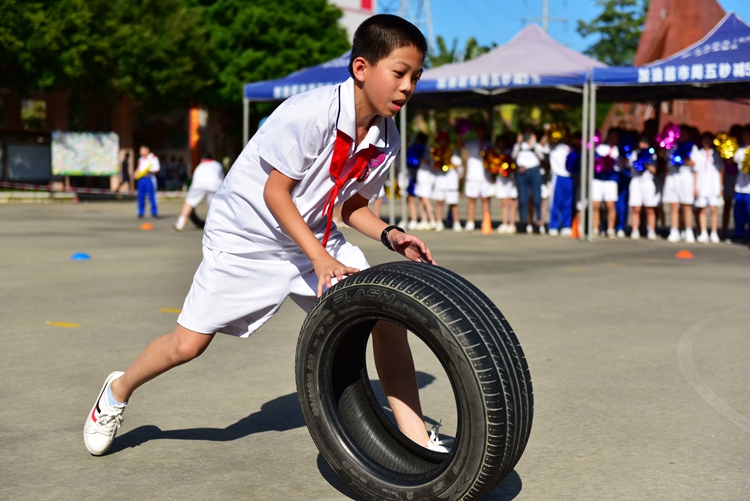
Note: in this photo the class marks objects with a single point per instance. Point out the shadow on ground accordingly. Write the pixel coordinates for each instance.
(506, 491)
(279, 414)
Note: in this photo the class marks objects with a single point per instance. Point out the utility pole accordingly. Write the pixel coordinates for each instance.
(416, 12)
(545, 19)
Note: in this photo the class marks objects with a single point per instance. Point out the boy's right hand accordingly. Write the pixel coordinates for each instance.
(326, 268)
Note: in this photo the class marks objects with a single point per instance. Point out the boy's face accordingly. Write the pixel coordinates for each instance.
(391, 82)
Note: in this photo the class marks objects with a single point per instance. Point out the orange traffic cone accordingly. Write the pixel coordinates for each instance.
(575, 233)
(486, 224)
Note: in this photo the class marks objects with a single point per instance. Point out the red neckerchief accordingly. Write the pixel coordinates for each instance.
(341, 149)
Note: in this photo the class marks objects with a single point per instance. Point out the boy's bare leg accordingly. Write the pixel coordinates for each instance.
(471, 209)
(162, 354)
(395, 367)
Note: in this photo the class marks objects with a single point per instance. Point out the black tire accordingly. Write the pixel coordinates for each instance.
(479, 353)
(196, 220)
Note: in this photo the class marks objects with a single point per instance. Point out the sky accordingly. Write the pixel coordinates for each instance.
(498, 20)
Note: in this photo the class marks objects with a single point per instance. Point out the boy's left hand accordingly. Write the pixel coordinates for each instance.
(410, 247)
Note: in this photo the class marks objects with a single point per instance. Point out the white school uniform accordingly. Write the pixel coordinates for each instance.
(206, 181)
(605, 190)
(478, 182)
(250, 264)
(707, 168)
(679, 185)
(642, 190)
(506, 187)
(446, 183)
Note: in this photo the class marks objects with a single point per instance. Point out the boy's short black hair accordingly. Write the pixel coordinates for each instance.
(380, 35)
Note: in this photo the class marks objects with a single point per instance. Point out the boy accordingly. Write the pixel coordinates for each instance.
(330, 146)
(561, 213)
(709, 168)
(642, 191)
(145, 176)
(206, 181)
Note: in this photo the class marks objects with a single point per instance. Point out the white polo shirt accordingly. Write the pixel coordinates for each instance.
(297, 140)
(149, 163)
(208, 176)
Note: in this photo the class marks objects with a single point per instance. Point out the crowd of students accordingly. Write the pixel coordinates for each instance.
(640, 181)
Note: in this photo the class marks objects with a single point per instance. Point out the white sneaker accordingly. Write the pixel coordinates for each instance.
(437, 445)
(412, 225)
(565, 232)
(689, 237)
(542, 230)
(179, 225)
(529, 229)
(611, 233)
(651, 236)
(635, 235)
(715, 238)
(422, 226)
(457, 227)
(432, 225)
(620, 233)
(702, 238)
(469, 226)
(103, 421)
(553, 232)
(674, 236)
(502, 229)
(682, 235)
(439, 226)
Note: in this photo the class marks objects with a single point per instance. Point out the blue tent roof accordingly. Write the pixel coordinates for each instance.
(721, 57)
(331, 72)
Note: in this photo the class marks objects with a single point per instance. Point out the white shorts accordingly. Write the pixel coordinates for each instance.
(545, 191)
(505, 187)
(195, 195)
(604, 191)
(478, 189)
(425, 183)
(236, 294)
(446, 187)
(642, 193)
(701, 202)
(679, 188)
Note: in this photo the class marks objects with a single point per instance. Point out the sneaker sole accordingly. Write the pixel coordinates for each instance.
(114, 375)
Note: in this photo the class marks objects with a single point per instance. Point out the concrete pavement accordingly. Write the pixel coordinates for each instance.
(639, 362)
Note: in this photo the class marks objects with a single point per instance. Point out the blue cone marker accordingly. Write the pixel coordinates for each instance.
(80, 256)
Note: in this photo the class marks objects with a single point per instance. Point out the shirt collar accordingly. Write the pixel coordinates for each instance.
(347, 120)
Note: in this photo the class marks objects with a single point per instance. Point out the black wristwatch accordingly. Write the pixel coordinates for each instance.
(384, 235)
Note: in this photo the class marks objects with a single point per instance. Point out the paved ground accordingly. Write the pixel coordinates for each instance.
(639, 360)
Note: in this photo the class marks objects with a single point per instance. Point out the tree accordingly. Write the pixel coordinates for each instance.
(619, 28)
(264, 39)
(445, 55)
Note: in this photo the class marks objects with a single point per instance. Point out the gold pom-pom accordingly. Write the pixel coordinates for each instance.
(746, 161)
(556, 132)
(441, 158)
(726, 145)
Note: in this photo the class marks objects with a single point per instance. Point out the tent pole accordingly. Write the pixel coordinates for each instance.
(582, 186)
(402, 170)
(245, 121)
(590, 181)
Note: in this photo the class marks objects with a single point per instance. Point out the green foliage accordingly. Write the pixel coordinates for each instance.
(619, 29)
(162, 52)
(264, 39)
(446, 55)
